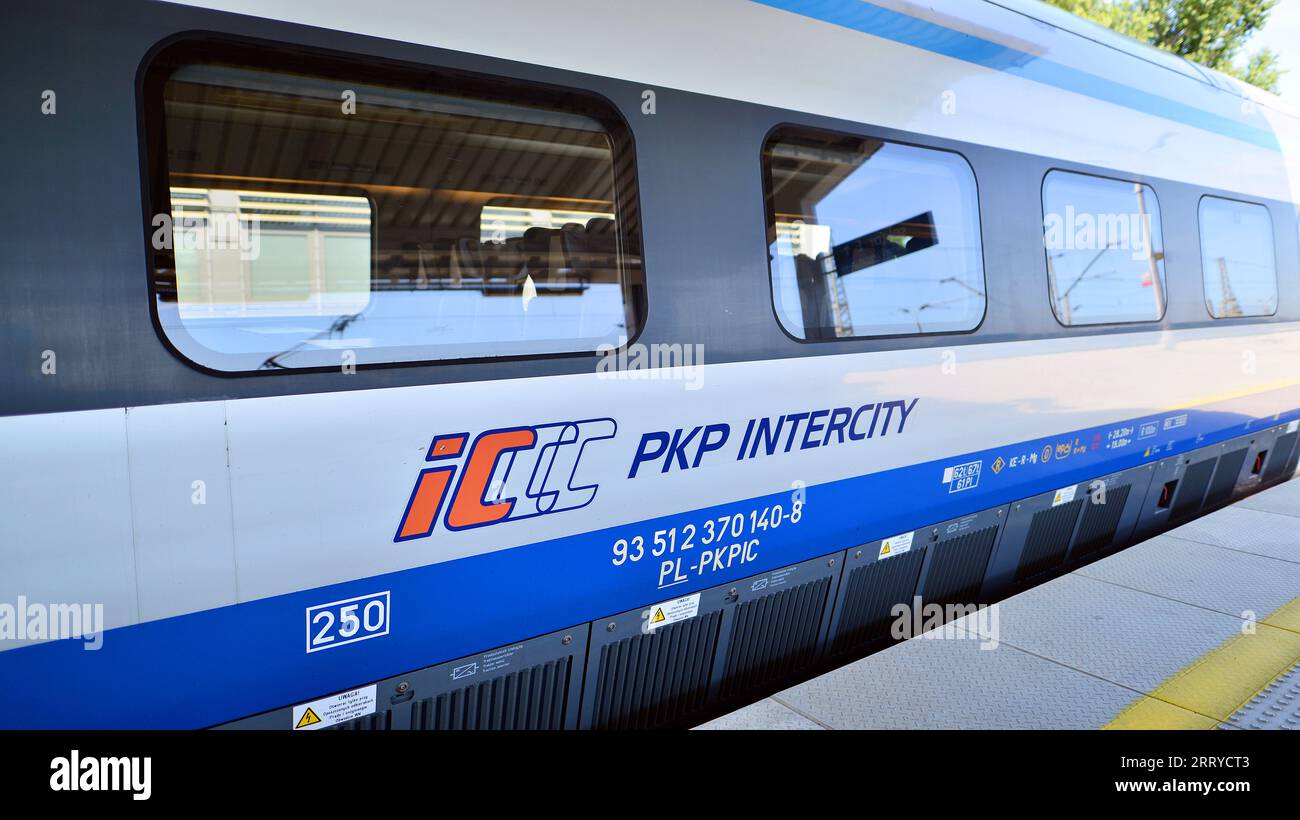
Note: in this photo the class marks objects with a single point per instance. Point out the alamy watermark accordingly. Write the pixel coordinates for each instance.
(656, 362)
(76, 773)
(33, 621)
(937, 621)
(218, 231)
(1074, 231)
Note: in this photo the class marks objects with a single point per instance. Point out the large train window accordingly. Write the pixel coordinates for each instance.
(1237, 260)
(1105, 250)
(313, 212)
(871, 238)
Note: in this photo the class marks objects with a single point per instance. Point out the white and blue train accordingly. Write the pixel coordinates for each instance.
(599, 365)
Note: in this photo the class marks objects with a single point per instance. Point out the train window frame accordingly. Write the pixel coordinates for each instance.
(792, 126)
(1200, 253)
(191, 48)
(1047, 271)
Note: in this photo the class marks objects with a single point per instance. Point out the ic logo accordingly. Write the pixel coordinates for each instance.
(507, 475)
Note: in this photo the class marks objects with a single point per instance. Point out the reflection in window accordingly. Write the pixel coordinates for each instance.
(471, 220)
(1105, 250)
(247, 253)
(1237, 258)
(870, 238)
(497, 223)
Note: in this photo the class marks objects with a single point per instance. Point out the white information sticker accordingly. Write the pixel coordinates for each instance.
(896, 544)
(670, 612)
(1293, 426)
(335, 709)
(1064, 495)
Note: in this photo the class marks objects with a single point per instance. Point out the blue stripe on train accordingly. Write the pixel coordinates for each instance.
(213, 666)
(902, 28)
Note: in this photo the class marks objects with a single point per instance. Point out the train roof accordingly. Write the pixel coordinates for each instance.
(1064, 21)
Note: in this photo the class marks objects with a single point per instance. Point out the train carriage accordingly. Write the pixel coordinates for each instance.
(598, 365)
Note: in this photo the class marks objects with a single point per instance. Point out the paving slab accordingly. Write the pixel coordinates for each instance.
(1283, 499)
(765, 714)
(940, 684)
(1248, 530)
(1241, 584)
(1125, 636)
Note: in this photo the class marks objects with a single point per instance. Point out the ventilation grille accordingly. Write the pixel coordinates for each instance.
(871, 592)
(1192, 489)
(656, 679)
(376, 722)
(774, 636)
(1097, 531)
(957, 569)
(532, 698)
(1225, 478)
(1278, 458)
(1048, 540)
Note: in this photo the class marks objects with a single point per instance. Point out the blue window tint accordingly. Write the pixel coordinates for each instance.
(1237, 258)
(1105, 250)
(871, 238)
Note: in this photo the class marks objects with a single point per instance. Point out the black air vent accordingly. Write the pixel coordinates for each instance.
(532, 698)
(659, 678)
(774, 636)
(1225, 478)
(1191, 490)
(1097, 530)
(1278, 460)
(872, 591)
(957, 569)
(1048, 540)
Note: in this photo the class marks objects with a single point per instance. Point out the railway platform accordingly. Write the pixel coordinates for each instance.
(1196, 628)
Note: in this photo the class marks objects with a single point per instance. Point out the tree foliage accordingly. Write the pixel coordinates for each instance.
(1210, 32)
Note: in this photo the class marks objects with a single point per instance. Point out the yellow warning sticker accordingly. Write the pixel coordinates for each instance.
(670, 612)
(896, 544)
(1064, 495)
(335, 709)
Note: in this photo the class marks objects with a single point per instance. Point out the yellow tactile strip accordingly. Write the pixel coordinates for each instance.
(1213, 687)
